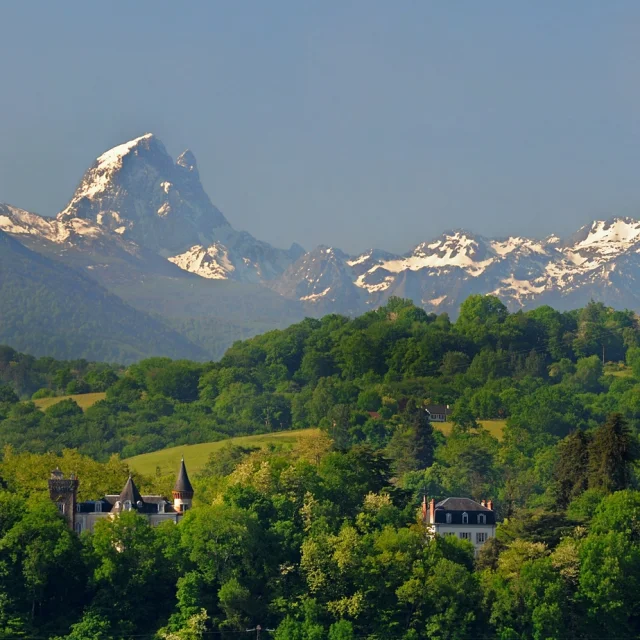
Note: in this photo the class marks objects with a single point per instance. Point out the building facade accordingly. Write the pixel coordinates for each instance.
(82, 516)
(461, 517)
(438, 412)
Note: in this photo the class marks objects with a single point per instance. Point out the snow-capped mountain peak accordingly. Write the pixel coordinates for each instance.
(138, 191)
(615, 233)
(100, 176)
(135, 202)
(136, 195)
(524, 245)
(440, 273)
(113, 157)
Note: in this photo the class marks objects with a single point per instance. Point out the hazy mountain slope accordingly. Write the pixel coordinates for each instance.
(47, 308)
(211, 313)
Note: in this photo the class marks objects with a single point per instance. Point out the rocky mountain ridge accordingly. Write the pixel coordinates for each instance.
(601, 261)
(137, 213)
(136, 199)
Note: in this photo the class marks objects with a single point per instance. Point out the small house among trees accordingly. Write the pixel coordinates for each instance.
(438, 412)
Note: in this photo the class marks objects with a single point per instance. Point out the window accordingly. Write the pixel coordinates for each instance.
(482, 519)
(465, 535)
(98, 507)
(78, 508)
(465, 518)
(448, 518)
(60, 506)
(160, 507)
(127, 505)
(481, 537)
(78, 527)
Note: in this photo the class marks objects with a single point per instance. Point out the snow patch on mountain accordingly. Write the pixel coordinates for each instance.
(19, 222)
(524, 245)
(99, 178)
(315, 296)
(209, 262)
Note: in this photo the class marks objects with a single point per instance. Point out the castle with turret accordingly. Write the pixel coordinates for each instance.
(82, 516)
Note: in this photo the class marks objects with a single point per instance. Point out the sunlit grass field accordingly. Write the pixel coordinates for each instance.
(84, 400)
(196, 455)
(494, 427)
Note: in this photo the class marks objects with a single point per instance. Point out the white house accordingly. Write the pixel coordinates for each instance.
(461, 517)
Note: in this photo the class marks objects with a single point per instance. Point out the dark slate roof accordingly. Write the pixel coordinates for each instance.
(89, 506)
(148, 504)
(130, 492)
(438, 408)
(183, 484)
(457, 506)
(460, 504)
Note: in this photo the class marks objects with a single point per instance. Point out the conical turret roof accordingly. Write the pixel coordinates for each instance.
(130, 492)
(183, 484)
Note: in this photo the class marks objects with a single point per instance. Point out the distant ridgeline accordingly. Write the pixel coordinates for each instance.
(541, 371)
(141, 263)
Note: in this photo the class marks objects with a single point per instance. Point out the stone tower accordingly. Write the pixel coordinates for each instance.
(182, 491)
(64, 493)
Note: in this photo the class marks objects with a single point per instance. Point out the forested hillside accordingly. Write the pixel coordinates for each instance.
(540, 370)
(322, 544)
(50, 309)
(325, 541)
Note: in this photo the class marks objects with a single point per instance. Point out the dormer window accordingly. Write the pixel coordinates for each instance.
(127, 505)
(160, 507)
(98, 507)
(482, 519)
(465, 518)
(448, 518)
(78, 508)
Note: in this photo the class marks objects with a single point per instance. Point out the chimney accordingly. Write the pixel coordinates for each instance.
(483, 502)
(490, 505)
(424, 508)
(432, 511)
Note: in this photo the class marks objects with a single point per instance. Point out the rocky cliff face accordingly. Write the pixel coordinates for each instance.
(137, 191)
(601, 261)
(135, 198)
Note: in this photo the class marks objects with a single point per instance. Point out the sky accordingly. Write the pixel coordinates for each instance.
(354, 124)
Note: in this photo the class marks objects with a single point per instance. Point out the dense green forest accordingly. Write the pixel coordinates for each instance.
(325, 541)
(50, 309)
(540, 370)
(326, 544)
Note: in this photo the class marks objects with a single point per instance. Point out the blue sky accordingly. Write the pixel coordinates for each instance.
(348, 123)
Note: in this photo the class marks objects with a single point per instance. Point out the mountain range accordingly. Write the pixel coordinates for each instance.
(142, 231)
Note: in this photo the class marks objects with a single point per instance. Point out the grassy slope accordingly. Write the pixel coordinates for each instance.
(494, 427)
(84, 400)
(196, 455)
(622, 372)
